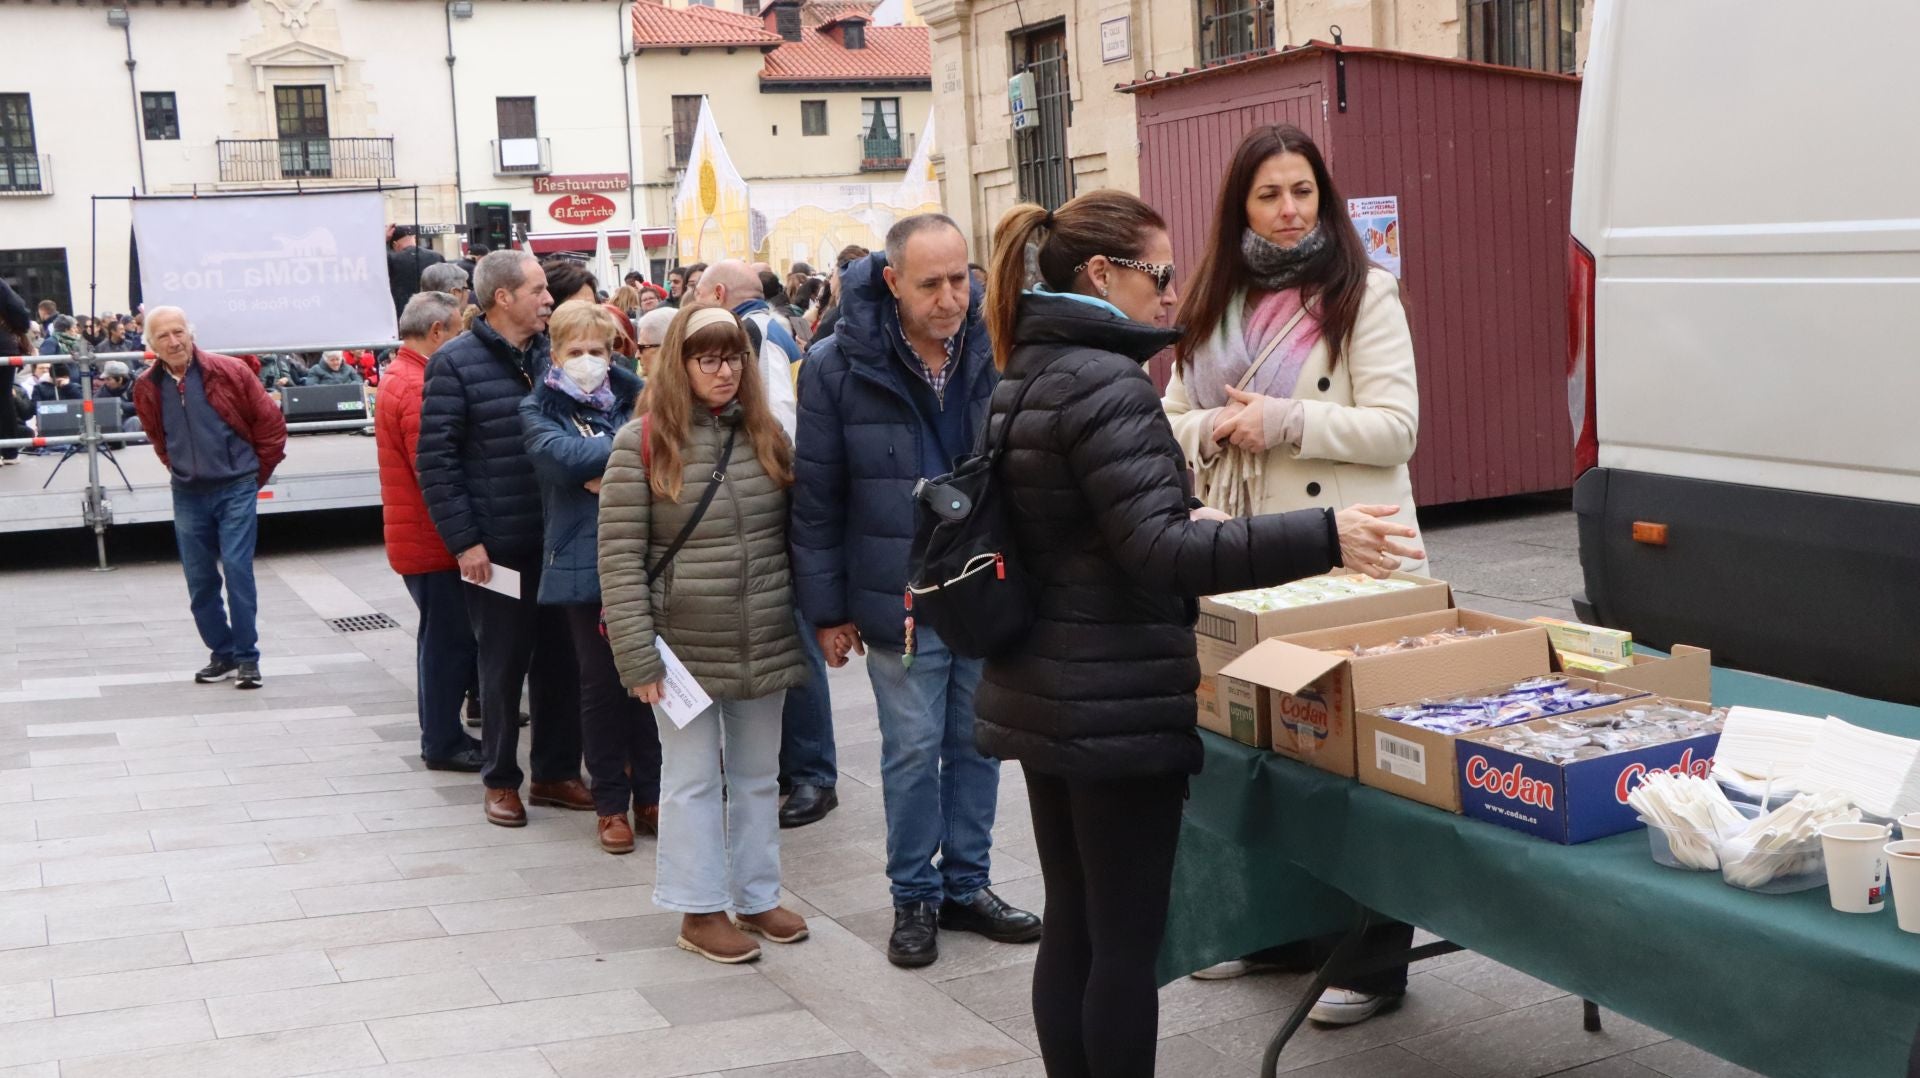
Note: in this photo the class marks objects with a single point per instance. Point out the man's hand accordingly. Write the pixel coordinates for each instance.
(1207, 513)
(838, 641)
(593, 485)
(475, 566)
(651, 693)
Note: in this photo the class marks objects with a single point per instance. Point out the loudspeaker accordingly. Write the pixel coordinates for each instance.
(59, 419)
(315, 403)
(490, 223)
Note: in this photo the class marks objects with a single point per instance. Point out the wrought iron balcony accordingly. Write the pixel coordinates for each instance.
(265, 160)
(881, 155)
(522, 157)
(23, 172)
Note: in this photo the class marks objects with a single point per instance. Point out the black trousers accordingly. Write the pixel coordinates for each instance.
(1380, 941)
(617, 732)
(1106, 850)
(443, 660)
(518, 639)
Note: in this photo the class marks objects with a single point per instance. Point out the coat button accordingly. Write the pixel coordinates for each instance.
(1326, 384)
(1313, 490)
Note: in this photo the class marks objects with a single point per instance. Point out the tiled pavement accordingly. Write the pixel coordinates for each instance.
(199, 881)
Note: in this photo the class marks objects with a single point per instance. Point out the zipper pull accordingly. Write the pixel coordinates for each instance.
(909, 600)
(999, 565)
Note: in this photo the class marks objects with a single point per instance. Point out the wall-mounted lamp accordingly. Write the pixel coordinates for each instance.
(462, 9)
(118, 18)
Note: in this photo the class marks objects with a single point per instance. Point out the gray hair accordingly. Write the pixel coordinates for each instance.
(652, 327)
(908, 227)
(501, 269)
(114, 369)
(63, 324)
(443, 277)
(425, 309)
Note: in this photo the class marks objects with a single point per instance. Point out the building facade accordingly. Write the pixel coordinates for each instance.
(1076, 133)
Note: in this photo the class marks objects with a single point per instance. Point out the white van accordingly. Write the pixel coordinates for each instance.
(1744, 353)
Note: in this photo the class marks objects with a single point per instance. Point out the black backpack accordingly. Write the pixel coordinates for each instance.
(964, 577)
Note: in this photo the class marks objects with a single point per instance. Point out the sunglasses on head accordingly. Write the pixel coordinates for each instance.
(1161, 272)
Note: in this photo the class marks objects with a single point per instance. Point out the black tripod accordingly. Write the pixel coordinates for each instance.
(73, 450)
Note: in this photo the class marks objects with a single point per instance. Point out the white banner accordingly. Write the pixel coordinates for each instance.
(270, 272)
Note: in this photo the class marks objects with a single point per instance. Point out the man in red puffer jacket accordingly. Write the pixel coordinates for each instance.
(444, 642)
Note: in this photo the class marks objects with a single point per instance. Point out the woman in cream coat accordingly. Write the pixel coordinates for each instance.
(1294, 388)
(1286, 302)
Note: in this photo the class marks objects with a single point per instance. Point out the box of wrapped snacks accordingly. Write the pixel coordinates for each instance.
(1230, 625)
(1407, 747)
(1297, 694)
(1567, 778)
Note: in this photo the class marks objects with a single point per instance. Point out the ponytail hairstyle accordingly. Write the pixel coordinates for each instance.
(1062, 241)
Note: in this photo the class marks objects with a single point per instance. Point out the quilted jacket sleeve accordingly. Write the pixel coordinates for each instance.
(626, 541)
(1122, 453)
(561, 457)
(819, 521)
(443, 436)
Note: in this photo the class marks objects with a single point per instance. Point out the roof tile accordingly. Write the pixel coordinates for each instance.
(892, 52)
(655, 24)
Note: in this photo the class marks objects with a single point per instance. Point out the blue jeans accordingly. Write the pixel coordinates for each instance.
(215, 528)
(444, 654)
(940, 793)
(720, 826)
(806, 727)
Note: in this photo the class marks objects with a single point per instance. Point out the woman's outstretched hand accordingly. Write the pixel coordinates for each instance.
(1367, 539)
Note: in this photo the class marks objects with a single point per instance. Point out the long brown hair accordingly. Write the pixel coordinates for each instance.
(669, 404)
(1111, 223)
(1334, 298)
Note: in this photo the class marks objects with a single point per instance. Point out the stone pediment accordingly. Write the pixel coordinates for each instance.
(296, 54)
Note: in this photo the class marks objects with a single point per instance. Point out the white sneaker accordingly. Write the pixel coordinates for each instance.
(1342, 1007)
(1227, 971)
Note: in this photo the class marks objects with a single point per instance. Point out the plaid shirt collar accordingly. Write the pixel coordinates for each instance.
(937, 380)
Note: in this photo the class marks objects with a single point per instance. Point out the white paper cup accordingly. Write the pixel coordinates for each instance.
(1910, 827)
(1903, 872)
(1856, 866)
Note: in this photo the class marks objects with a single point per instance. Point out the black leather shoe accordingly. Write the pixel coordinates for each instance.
(808, 804)
(916, 936)
(464, 760)
(986, 914)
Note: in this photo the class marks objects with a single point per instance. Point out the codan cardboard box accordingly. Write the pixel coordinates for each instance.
(1419, 764)
(1301, 697)
(1578, 801)
(1224, 633)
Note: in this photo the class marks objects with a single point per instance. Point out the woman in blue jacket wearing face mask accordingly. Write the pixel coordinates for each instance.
(570, 419)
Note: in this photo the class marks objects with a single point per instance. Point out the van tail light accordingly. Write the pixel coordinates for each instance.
(1580, 397)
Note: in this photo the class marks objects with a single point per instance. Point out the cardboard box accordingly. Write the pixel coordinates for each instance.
(1575, 802)
(1224, 633)
(1301, 697)
(1611, 645)
(1236, 709)
(1419, 764)
(1685, 675)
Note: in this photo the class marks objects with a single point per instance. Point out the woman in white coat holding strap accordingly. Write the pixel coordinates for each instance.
(1294, 385)
(1293, 389)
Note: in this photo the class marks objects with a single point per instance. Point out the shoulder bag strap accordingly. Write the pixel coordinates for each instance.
(706, 499)
(1272, 346)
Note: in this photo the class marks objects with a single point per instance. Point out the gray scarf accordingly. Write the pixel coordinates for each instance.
(1273, 267)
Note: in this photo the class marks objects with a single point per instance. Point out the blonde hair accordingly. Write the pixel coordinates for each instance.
(627, 298)
(581, 320)
(669, 402)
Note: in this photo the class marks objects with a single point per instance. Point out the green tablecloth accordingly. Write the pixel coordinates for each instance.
(1783, 984)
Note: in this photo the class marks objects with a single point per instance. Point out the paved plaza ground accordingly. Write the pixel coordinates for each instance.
(202, 882)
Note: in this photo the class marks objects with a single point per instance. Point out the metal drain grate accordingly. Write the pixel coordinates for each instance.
(362, 623)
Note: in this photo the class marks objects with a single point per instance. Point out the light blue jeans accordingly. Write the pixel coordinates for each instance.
(720, 853)
(940, 793)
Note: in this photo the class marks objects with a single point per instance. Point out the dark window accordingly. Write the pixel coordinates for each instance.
(880, 136)
(161, 115)
(751, 7)
(786, 21)
(1231, 29)
(38, 273)
(516, 117)
(1040, 150)
(1536, 34)
(854, 35)
(301, 114)
(813, 117)
(686, 117)
(19, 157)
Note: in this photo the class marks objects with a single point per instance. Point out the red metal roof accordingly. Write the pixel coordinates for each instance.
(892, 52)
(1295, 52)
(656, 25)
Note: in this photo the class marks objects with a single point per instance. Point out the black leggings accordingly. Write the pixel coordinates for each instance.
(1106, 849)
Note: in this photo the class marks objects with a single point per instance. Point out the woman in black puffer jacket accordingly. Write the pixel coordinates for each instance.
(1097, 704)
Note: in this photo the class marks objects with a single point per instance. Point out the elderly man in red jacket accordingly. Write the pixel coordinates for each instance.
(443, 644)
(220, 437)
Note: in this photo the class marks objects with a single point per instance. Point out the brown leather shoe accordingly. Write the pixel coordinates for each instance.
(647, 818)
(777, 925)
(713, 935)
(571, 794)
(615, 835)
(504, 808)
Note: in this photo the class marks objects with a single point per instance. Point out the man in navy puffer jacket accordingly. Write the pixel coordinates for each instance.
(484, 498)
(897, 394)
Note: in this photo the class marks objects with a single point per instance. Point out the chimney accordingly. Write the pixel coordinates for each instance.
(849, 33)
(782, 17)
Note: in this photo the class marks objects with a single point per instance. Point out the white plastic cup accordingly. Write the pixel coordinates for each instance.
(1856, 866)
(1910, 827)
(1903, 871)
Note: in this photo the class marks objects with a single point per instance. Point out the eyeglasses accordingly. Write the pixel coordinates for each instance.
(710, 363)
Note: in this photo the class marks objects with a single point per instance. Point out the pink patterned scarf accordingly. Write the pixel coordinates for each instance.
(1243, 334)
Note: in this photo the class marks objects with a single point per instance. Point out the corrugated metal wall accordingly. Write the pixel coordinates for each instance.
(1481, 159)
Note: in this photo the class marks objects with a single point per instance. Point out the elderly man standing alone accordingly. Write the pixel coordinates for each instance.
(220, 437)
(483, 496)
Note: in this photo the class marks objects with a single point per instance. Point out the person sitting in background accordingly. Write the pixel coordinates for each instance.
(114, 380)
(53, 385)
(278, 371)
(15, 321)
(568, 280)
(333, 371)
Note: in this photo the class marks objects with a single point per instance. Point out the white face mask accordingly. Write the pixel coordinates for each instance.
(587, 372)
